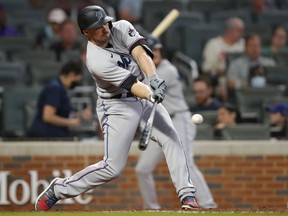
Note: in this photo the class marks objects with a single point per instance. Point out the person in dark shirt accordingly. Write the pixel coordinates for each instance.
(54, 107)
(202, 91)
(227, 116)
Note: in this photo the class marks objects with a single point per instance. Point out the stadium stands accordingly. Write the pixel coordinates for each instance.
(23, 66)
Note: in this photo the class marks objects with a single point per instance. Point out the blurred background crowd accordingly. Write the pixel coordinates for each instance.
(232, 57)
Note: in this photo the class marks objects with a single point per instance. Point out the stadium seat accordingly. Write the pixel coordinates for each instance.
(210, 117)
(29, 57)
(273, 17)
(249, 101)
(13, 109)
(222, 16)
(277, 75)
(173, 37)
(246, 132)
(15, 44)
(204, 132)
(42, 72)
(3, 56)
(29, 113)
(187, 68)
(26, 17)
(12, 74)
(153, 11)
(195, 37)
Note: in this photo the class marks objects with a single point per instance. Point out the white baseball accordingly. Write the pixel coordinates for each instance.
(197, 119)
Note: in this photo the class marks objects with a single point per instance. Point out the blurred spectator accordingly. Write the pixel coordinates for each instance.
(130, 10)
(227, 115)
(257, 77)
(5, 30)
(54, 108)
(216, 51)
(278, 43)
(202, 90)
(259, 6)
(52, 30)
(239, 69)
(278, 120)
(69, 44)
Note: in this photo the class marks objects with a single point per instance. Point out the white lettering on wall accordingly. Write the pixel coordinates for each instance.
(8, 193)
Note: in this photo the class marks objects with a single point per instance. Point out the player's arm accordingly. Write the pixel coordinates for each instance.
(147, 65)
(49, 116)
(144, 60)
(141, 90)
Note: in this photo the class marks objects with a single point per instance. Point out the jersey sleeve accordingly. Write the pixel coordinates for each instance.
(130, 36)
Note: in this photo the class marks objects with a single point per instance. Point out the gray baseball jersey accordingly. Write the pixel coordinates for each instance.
(120, 118)
(178, 109)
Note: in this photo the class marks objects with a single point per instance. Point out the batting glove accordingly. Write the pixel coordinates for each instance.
(156, 82)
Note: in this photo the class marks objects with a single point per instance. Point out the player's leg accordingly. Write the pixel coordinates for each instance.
(144, 171)
(187, 132)
(165, 134)
(119, 122)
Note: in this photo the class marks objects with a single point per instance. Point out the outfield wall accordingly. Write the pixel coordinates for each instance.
(241, 174)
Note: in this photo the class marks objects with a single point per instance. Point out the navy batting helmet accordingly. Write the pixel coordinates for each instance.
(92, 17)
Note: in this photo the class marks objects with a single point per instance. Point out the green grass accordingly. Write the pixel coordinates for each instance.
(132, 213)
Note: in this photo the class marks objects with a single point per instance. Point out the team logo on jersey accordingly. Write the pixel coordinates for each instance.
(131, 32)
(124, 62)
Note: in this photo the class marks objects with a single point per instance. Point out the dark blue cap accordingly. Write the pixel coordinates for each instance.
(278, 108)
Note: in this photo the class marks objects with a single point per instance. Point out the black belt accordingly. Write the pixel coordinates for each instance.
(122, 95)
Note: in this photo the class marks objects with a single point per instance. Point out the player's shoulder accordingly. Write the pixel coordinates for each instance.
(54, 84)
(121, 24)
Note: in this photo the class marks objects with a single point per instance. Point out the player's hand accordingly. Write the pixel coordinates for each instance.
(158, 95)
(156, 82)
(159, 88)
(74, 122)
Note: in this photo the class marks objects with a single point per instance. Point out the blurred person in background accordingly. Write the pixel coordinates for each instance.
(178, 110)
(216, 50)
(130, 10)
(227, 115)
(52, 30)
(278, 44)
(69, 41)
(203, 99)
(53, 118)
(5, 29)
(278, 120)
(239, 70)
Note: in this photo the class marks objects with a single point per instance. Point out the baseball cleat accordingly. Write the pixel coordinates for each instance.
(189, 203)
(47, 198)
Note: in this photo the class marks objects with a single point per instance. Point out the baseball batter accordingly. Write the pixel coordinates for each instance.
(119, 61)
(178, 109)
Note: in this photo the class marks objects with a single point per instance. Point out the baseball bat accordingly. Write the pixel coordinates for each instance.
(165, 23)
(146, 134)
(157, 32)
